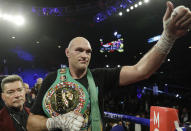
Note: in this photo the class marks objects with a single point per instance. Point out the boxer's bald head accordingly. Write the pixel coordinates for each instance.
(79, 53)
(78, 40)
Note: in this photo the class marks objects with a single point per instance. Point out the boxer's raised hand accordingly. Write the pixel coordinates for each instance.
(176, 22)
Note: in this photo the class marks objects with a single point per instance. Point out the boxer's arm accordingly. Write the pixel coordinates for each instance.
(143, 69)
(176, 22)
(36, 123)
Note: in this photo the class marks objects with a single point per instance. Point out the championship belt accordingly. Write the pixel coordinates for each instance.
(65, 95)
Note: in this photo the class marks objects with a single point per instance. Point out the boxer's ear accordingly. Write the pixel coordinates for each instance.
(169, 10)
(67, 52)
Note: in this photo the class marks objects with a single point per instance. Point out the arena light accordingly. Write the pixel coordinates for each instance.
(6, 17)
(136, 5)
(120, 13)
(128, 10)
(16, 19)
(140, 3)
(146, 1)
(128, 5)
(154, 39)
(131, 7)
(115, 33)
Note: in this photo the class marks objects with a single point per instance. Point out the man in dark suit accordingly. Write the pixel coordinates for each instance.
(13, 116)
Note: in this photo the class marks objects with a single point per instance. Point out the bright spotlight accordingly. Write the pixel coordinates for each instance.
(18, 20)
(7, 17)
(120, 13)
(115, 33)
(146, 1)
(128, 10)
(131, 7)
(140, 3)
(136, 5)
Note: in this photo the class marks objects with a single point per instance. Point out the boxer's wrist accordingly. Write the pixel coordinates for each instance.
(165, 43)
(53, 123)
(50, 124)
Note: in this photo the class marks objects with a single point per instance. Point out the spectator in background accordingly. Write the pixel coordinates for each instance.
(127, 125)
(115, 125)
(28, 96)
(37, 86)
(13, 116)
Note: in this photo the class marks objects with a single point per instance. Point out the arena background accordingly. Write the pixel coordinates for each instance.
(38, 47)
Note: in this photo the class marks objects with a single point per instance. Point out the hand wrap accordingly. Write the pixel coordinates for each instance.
(69, 121)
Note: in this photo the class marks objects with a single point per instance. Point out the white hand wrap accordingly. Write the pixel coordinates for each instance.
(165, 43)
(66, 122)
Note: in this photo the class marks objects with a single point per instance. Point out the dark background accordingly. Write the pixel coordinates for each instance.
(136, 27)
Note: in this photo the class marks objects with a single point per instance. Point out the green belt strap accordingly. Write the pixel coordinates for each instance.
(95, 112)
